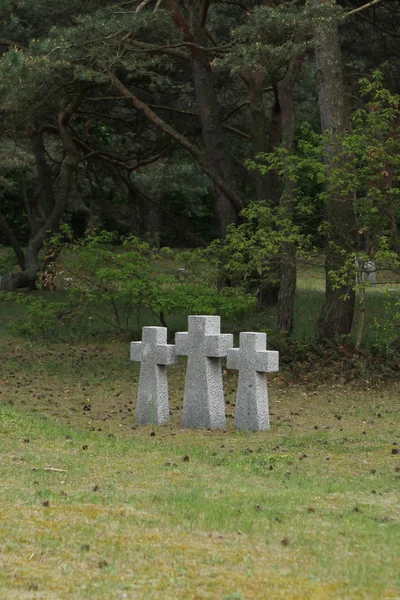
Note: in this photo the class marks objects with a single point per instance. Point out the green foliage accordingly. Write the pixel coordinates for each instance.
(15, 162)
(115, 285)
(250, 251)
(41, 318)
(365, 165)
(187, 214)
(98, 44)
(7, 262)
(265, 42)
(386, 328)
(16, 172)
(119, 288)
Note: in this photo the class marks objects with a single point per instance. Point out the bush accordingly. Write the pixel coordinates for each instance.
(117, 288)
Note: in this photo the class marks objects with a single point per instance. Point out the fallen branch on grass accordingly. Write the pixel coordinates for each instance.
(49, 469)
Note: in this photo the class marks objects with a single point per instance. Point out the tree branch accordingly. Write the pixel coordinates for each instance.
(12, 43)
(142, 5)
(181, 140)
(169, 50)
(242, 134)
(51, 225)
(356, 10)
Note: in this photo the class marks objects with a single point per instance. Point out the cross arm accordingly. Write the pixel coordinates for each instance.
(181, 343)
(233, 360)
(217, 345)
(165, 354)
(137, 351)
(267, 361)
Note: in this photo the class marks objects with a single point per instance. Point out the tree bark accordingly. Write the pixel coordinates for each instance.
(26, 278)
(274, 141)
(337, 313)
(267, 293)
(258, 129)
(193, 28)
(210, 117)
(44, 200)
(202, 160)
(13, 241)
(288, 269)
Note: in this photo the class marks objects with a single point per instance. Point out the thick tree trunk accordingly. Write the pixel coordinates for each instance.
(44, 200)
(269, 187)
(337, 313)
(13, 241)
(192, 26)
(287, 291)
(258, 129)
(210, 117)
(213, 137)
(267, 293)
(26, 278)
(11, 282)
(274, 141)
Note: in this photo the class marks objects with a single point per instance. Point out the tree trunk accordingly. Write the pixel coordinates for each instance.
(337, 313)
(274, 141)
(287, 291)
(26, 278)
(13, 241)
(11, 282)
(210, 117)
(204, 162)
(258, 129)
(44, 200)
(267, 293)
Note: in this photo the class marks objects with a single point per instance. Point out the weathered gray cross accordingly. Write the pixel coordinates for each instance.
(253, 362)
(154, 354)
(204, 345)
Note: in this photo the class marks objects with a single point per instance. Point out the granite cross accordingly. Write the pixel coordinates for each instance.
(154, 354)
(253, 362)
(204, 345)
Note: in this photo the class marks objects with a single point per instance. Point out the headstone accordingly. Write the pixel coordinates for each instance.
(369, 273)
(204, 345)
(366, 271)
(154, 353)
(253, 362)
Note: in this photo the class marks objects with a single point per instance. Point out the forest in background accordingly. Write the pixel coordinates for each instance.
(262, 136)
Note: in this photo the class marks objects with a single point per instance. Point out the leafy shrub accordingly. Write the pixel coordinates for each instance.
(41, 317)
(7, 262)
(387, 328)
(117, 288)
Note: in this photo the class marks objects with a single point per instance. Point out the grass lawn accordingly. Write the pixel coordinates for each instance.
(307, 510)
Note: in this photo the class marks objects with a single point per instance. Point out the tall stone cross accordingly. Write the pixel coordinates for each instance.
(253, 362)
(204, 345)
(154, 354)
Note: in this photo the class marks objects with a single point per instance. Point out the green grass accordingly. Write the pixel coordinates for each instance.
(308, 510)
(308, 304)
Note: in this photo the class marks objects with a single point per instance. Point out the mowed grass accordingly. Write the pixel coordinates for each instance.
(307, 510)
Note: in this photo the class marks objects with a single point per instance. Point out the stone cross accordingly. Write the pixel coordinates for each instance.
(253, 362)
(366, 271)
(204, 345)
(154, 354)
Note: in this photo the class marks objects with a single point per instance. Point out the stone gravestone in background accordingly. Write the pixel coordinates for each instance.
(366, 271)
(204, 345)
(154, 353)
(253, 362)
